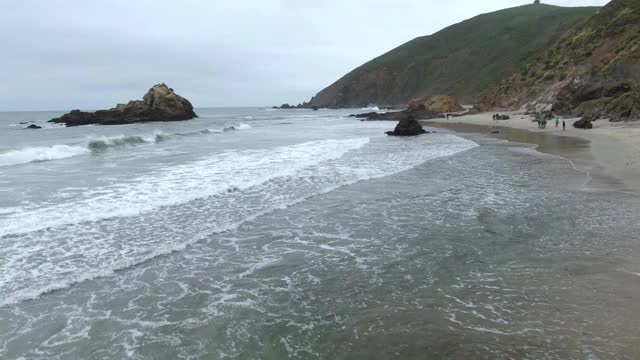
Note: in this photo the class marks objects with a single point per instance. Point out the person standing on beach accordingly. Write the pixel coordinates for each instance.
(563, 125)
(557, 121)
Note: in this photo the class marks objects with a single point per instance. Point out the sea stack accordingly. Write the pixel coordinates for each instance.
(160, 103)
(408, 126)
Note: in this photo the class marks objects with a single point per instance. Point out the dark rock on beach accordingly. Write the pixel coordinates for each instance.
(583, 124)
(159, 104)
(34, 126)
(408, 126)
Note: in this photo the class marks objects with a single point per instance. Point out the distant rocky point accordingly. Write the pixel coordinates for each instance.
(160, 103)
(299, 106)
(423, 109)
(421, 113)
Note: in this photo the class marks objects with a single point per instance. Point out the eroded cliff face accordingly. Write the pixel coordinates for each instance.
(160, 103)
(592, 71)
(438, 104)
(460, 60)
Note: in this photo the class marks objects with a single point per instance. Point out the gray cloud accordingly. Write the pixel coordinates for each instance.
(93, 54)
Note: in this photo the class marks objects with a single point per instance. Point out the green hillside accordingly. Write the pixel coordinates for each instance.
(460, 60)
(593, 70)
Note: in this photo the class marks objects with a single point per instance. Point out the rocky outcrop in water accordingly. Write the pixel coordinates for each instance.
(418, 113)
(284, 106)
(33, 126)
(160, 103)
(304, 105)
(408, 126)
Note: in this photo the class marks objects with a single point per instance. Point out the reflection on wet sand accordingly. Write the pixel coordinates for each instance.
(576, 150)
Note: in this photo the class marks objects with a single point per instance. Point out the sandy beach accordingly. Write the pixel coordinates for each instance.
(609, 153)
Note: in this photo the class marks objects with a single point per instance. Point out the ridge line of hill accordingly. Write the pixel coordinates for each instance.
(460, 60)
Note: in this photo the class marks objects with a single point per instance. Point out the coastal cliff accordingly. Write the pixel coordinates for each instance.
(592, 71)
(461, 60)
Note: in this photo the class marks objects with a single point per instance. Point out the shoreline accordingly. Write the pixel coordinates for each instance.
(609, 154)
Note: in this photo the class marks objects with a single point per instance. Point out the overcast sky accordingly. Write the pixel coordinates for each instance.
(65, 54)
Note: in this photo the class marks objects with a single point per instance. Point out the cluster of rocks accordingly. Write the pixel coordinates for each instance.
(160, 103)
(420, 113)
(501, 117)
(304, 105)
(433, 107)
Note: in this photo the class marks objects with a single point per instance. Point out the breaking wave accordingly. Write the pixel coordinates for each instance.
(240, 126)
(97, 144)
(104, 142)
(41, 153)
(170, 209)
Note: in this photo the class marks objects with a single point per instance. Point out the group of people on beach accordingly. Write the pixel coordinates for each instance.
(542, 123)
(541, 119)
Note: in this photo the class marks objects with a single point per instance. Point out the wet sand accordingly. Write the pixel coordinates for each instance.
(601, 283)
(609, 162)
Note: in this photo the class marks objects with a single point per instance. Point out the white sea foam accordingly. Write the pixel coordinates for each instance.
(180, 184)
(63, 151)
(33, 154)
(170, 209)
(241, 126)
(103, 142)
(96, 143)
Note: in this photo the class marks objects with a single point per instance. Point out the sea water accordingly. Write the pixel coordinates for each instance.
(273, 234)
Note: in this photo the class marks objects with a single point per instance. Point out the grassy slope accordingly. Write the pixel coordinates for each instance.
(460, 60)
(585, 70)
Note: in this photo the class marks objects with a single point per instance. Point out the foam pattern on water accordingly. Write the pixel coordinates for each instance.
(95, 232)
(31, 154)
(41, 153)
(465, 256)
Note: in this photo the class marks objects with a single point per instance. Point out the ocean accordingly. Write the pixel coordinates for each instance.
(294, 234)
